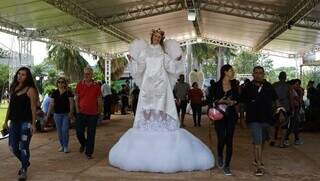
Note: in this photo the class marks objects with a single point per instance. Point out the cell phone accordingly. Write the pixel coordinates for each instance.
(4, 132)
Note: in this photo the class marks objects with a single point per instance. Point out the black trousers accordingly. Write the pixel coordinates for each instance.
(196, 113)
(225, 131)
(124, 104)
(107, 107)
(90, 122)
(294, 126)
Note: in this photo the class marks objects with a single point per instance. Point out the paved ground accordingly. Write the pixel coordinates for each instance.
(295, 163)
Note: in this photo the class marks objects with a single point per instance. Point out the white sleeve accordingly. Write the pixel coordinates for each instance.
(174, 69)
(136, 47)
(137, 69)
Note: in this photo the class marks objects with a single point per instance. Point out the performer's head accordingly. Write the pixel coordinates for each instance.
(157, 37)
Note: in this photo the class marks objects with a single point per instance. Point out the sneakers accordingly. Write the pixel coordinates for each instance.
(227, 171)
(286, 143)
(66, 150)
(22, 175)
(298, 141)
(220, 162)
(60, 149)
(89, 157)
(255, 163)
(259, 172)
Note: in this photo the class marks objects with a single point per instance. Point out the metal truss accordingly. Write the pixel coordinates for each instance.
(59, 30)
(214, 42)
(295, 14)
(10, 27)
(309, 22)
(193, 5)
(88, 17)
(152, 8)
(241, 9)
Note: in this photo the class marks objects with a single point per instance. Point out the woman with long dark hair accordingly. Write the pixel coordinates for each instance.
(22, 115)
(225, 92)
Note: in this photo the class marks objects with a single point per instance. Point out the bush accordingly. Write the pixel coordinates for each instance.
(48, 89)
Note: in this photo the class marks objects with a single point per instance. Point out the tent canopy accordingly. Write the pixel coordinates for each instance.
(105, 27)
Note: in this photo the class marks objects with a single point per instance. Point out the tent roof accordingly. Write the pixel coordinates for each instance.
(104, 27)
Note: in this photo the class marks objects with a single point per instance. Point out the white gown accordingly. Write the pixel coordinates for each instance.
(156, 143)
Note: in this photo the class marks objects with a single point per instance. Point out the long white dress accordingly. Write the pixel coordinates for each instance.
(156, 143)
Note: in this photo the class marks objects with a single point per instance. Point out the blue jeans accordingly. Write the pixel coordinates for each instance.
(89, 121)
(20, 134)
(62, 125)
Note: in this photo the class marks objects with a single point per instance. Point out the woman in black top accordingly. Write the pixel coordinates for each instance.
(225, 92)
(22, 115)
(61, 103)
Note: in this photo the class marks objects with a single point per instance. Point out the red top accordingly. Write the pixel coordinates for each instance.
(87, 97)
(195, 95)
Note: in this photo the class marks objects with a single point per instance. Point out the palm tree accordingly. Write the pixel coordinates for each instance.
(67, 60)
(118, 65)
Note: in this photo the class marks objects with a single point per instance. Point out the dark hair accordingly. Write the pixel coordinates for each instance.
(161, 41)
(246, 81)
(194, 83)
(258, 68)
(212, 82)
(64, 80)
(282, 75)
(29, 82)
(223, 69)
(294, 81)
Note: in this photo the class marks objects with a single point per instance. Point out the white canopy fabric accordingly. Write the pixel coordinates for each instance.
(105, 27)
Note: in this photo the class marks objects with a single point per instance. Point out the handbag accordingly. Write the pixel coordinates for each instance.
(217, 112)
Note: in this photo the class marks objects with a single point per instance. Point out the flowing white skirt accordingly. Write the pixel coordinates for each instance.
(160, 151)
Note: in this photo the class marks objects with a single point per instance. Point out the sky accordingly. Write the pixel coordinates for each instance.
(39, 52)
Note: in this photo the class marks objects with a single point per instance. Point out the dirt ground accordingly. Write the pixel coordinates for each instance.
(294, 163)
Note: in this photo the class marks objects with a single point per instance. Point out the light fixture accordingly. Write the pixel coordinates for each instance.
(31, 29)
(192, 15)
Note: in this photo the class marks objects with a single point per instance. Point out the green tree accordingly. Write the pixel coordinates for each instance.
(4, 74)
(310, 73)
(118, 65)
(290, 71)
(67, 60)
(4, 79)
(39, 72)
(246, 61)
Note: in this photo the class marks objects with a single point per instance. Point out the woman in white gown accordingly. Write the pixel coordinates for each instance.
(156, 143)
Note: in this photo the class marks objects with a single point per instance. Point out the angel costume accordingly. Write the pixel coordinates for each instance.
(156, 143)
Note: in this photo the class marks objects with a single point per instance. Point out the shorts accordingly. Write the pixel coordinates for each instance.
(182, 107)
(259, 132)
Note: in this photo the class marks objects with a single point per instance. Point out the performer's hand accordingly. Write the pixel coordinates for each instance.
(280, 108)
(179, 58)
(129, 57)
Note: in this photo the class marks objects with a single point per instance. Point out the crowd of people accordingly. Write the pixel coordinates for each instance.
(271, 111)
